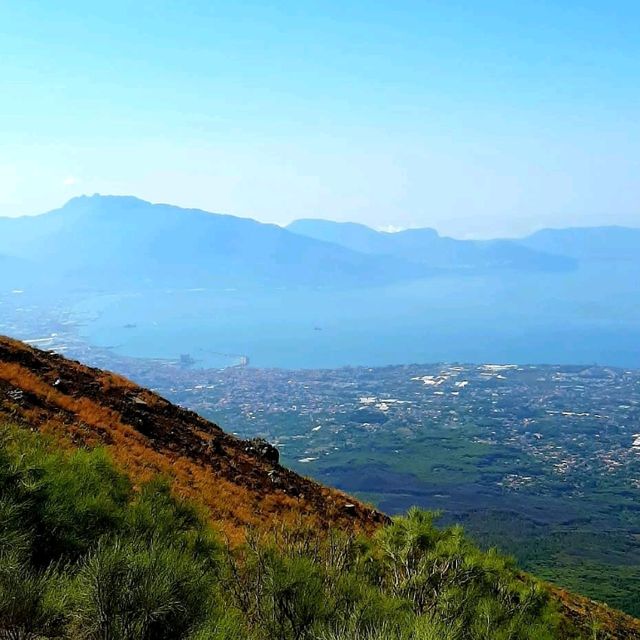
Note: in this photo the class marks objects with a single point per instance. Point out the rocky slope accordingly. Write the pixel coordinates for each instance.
(239, 482)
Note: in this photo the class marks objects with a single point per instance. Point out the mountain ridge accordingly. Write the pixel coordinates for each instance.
(601, 243)
(98, 242)
(122, 241)
(106, 242)
(427, 247)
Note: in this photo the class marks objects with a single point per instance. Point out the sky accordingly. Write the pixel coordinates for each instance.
(480, 118)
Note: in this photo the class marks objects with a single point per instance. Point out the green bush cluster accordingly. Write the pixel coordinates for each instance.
(84, 554)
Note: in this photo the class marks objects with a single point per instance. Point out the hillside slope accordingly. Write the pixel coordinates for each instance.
(239, 482)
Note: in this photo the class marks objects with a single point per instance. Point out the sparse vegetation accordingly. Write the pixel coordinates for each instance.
(140, 431)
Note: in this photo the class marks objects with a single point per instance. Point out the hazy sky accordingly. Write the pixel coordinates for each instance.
(477, 117)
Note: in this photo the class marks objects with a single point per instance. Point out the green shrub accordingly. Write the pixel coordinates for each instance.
(85, 555)
(127, 589)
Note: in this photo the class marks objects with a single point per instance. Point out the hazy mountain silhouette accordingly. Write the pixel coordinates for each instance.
(114, 241)
(427, 247)
(593, 244)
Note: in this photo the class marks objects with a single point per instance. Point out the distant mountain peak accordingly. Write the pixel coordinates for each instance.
(98, 199)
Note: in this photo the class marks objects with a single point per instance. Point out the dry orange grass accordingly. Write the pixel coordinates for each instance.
(81, 420)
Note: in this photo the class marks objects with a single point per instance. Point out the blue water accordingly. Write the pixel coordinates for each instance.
(587, 316)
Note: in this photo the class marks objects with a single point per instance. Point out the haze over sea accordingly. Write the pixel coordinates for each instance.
(590, 315)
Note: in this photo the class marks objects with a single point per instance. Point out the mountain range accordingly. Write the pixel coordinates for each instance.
(115, 242)
(428, 248)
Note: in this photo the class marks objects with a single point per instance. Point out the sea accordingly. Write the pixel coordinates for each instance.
(588, 316)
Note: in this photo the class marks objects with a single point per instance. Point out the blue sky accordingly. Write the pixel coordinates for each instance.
(479, 118)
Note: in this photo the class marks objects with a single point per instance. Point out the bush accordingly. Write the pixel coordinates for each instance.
(84, 554)
(127, 589)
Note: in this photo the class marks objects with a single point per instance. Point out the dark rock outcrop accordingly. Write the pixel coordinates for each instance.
(264, 449)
